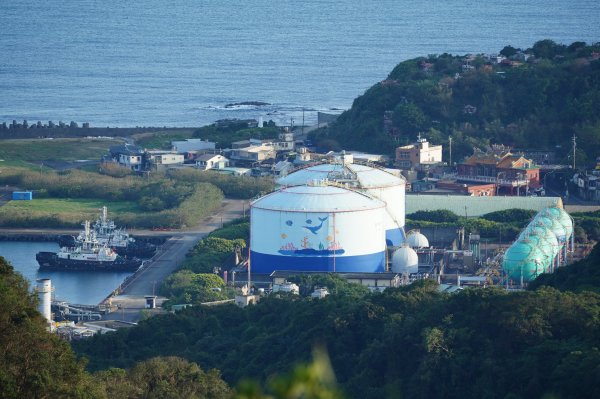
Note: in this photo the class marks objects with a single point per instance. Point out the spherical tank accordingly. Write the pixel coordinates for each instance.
(415, 239)
(547, 235)
(543, 247)
(405, 260)
(562, 217)
(524, 259)
(317, 228)
(377, 182)
(553, 225)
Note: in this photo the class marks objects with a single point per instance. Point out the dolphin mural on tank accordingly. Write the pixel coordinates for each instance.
(315, 229)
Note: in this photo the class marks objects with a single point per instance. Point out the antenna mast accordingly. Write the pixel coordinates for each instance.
(574, 139)
(450, 142)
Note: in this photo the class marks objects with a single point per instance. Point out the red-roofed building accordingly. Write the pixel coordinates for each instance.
(512, 173)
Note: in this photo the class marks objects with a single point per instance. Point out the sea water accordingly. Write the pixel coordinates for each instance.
(180, 62)
(87, 288)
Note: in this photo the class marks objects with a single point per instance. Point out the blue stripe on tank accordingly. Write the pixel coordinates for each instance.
(394, 237)
(265, 263)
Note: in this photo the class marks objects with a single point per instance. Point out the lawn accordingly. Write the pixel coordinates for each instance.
(38, 150)
(162, 140)
(60, 205)
(51, 212)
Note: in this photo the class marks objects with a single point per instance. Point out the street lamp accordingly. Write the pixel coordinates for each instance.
(498, 181)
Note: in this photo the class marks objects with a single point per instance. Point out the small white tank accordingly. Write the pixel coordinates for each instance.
(405, 260)
(44, 290)
(415, 239)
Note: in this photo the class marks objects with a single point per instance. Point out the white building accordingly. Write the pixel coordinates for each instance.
(162, 159)
(285, 142)
(129, 156)
(418, 154)
(211, 161)
(254, 153)
(190, 145)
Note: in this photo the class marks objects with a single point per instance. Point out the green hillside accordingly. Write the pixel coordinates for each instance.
(538, 103)
(408, 342)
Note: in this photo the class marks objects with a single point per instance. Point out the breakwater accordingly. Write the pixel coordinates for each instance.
(21, 132)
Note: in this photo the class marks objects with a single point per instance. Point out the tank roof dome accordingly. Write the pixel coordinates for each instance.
(415, 239)
(361, 175)
(317, 198)
(405, 260)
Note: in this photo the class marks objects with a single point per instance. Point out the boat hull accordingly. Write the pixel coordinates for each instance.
(51, 261)
(134, 249)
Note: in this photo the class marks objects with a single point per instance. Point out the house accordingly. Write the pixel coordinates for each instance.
(191, 145)
(473, 190)
(127, 155)
(211, 161)
(587, 185)
(252, 154)
(160, 160)
(285, 142)
(498, 165)
(282, 168)
(418, 154)
(246, 143)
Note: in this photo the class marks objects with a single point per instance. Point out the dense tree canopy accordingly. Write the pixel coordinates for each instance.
(535, 103)
(163, 378)
(405, 342)
(33, 363)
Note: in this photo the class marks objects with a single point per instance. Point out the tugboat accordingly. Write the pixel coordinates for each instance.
(108, 234)
(88, 255)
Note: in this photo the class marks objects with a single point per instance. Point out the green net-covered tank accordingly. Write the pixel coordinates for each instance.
(544, 248)
(562, 217)
(523, 258)
(553, 225)
(538, 228)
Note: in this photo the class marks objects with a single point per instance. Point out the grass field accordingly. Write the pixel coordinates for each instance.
(15, 152)
(162, 140)
(73, 206)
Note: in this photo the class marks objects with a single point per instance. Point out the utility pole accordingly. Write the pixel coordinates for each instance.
(574, 139)
(450, 142)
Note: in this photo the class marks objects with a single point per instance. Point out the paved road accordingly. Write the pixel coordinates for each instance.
(171, 254)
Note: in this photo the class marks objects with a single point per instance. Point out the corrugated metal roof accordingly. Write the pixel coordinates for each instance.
(367, 176)
(317, 199)
(477, 206)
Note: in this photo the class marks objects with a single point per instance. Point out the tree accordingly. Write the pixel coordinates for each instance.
(315, 380)
(409, 118)
(33, 362)
(163, 378)
(508, 51)
(548, 49)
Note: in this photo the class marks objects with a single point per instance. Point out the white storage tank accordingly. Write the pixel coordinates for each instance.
(317, 228)
(377, 182)
(405, 260)
(415, 239)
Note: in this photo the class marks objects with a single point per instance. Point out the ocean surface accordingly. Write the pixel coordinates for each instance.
(87, 288)
(179, 63)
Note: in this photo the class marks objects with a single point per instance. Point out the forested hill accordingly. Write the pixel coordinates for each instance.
(537, 98)
(578, 277)
(406, 342)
